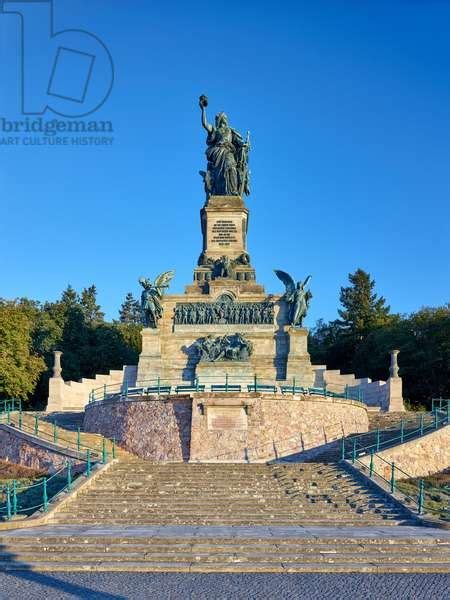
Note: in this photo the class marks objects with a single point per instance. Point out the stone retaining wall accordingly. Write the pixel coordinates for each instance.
(156, 429)
(24, 449)
(419, 457)
(276, 426)
(228, 428)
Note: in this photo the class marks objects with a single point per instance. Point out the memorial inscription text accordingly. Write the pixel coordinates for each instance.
(224, 231)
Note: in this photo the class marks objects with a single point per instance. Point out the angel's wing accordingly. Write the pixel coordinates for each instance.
(163, 280)
(287, 280)
(307, 280)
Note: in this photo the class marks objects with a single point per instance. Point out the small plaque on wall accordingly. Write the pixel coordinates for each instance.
(226, 417)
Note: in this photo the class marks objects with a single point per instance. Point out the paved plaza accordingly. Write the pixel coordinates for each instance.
(236, 586)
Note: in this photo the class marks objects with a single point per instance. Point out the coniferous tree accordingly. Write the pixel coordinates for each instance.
(362, 308)
(338, 343)
(69, 297)
(91, 309)
(130, 311)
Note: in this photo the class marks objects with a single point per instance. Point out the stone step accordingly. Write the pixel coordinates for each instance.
(126, 539)
(241, 511)
(218, 501)
(227, 557)
(130, 520)
(218, 547)
(135, 491)
(235, 567)
(115, 552)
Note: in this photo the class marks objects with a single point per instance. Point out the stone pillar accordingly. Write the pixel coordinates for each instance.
(298, 361)
(56, 385)
(394, 386)
(394, 364)
(57, 364)
(150, 363)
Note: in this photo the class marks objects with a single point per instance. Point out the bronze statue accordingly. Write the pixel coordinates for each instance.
(233, 347)
(151, 306)
(227, 171)
(296, 297)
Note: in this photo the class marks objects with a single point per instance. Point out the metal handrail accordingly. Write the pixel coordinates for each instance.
(398, 475)
(10, 405)
(165, 387)
(12, 506)
(404, 434)
(55, 438)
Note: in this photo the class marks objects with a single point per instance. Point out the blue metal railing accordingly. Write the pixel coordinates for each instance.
(355, 448)
(18, 498)
(228, 383)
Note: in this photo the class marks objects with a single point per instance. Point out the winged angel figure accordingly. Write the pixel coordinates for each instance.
(296, 296)
(151, 306)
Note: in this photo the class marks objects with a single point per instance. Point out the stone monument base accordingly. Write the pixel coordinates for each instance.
(235, 372)
(225, 427)
(150, 360)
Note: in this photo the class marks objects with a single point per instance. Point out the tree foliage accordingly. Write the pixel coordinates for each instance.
(130, 311)
(20, 367)
(91, 310)
(30, 332)
(361, 340)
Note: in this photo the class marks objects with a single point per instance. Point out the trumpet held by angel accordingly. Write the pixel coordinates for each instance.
(296, 296)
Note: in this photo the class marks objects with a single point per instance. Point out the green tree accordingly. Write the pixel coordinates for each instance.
(338, 343)
(130, 311)
(362, 308)
(69, 296)
(20, 368)
(88, 302)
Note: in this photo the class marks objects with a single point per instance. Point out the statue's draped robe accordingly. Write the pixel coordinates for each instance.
(224, 145)
(299, 307)
(151, 306)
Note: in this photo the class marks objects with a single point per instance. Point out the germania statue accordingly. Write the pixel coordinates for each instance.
(227, 171)
(296, 296)
(151, 306)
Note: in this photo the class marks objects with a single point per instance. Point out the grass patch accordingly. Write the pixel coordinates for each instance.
(437, 492)
(29, 495)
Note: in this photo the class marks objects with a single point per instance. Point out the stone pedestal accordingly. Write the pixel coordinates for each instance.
(239, 372)
(224, 222)
(394, 394)
(394, 386)
(298, 364)
(150, 362)
(224, 226)
(56, 395)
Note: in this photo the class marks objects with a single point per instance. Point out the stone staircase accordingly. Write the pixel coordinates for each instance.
(137, 492)
(283, 517)
(218, 550)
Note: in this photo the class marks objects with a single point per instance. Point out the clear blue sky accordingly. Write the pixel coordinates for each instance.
(348, 104)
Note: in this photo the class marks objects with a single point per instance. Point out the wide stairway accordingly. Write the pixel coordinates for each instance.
(137, 492)
(196, 550)
(136, 515)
